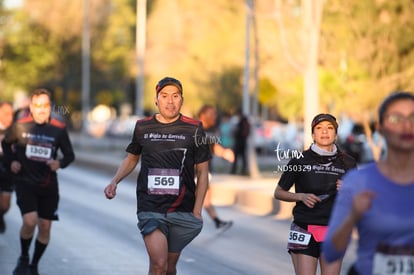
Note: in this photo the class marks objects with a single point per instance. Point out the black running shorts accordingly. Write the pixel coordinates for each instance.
(33, 198)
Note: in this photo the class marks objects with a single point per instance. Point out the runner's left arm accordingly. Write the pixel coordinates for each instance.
(67, 150)
(201, 188)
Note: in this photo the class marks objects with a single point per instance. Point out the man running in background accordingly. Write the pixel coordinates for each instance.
(208, 116)
(31, 146)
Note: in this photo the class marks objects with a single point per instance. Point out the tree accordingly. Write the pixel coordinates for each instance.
(228, 82)
(369, 46)
(43, 48)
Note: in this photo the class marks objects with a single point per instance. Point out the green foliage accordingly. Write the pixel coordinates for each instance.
(268, 94)
(290, 101)
(375, 40)
(41, 51)
(28, 58)
(332, 91)
(107, 97)
(226, 90)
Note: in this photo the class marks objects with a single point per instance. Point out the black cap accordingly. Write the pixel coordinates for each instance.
(168, 81)
(324, 117)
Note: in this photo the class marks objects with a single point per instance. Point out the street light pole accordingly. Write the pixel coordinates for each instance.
(251, 151)
(140, 52)
(311, 28)
(255, 105)
(85, 65)
(246, 88)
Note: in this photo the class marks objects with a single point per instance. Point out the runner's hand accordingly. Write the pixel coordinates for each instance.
(198, 215)
(361, 203)
(110, 190)
(53, 164)
(15, 167)
(338, 184)
(310, 199)
(228, 155)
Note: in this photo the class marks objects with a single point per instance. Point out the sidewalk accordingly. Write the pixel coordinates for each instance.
(250, 195)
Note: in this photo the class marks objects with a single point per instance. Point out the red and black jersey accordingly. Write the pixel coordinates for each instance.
(168, 154)
(33, 145)
(317, 174)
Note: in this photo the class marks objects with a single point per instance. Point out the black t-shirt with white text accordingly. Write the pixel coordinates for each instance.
(168, 152)
(317, 174)
(33, 145)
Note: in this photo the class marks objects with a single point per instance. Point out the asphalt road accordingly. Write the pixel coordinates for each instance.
(97, 236)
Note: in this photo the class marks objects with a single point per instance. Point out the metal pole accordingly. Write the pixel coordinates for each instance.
(255, 105)
(85, 65)
(252, 159)
(311, 26)
(246, 92)
(140, 51)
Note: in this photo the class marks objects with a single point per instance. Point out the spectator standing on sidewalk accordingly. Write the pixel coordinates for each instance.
(317, 178)
(378, 199)
(226, 131)
(208, 117)
(31, 146)
(240, 135)
(6, 185)
(172, 153)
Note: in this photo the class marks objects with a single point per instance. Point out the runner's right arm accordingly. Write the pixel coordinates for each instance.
(126, 167)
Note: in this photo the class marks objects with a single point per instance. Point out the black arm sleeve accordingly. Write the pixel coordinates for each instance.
(7, 146)
(67, 150)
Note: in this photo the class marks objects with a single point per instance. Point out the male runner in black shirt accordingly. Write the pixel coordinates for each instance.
(31, 148)
(172, 152)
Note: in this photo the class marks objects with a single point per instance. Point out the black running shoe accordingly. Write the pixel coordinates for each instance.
(22, 267)
(33, 270)
(224, 225)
